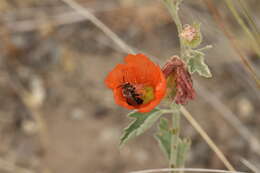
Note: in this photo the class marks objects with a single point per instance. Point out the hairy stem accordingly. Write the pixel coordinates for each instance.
(176, 143)
(175, 131)
(173, 7)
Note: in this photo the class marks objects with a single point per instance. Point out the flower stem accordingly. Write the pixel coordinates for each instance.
(177, 158)
(175, 132)
(173, 8)
(178, 23)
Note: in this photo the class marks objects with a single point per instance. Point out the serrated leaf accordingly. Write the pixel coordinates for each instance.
(142, 122)
(164, 137)
(196, 63)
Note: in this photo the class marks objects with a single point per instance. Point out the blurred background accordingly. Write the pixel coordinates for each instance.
(56, 115)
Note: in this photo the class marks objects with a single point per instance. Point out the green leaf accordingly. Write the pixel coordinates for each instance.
(183, 148)
(164, 137)
(196, 63)
(142, 122)
(174, 148)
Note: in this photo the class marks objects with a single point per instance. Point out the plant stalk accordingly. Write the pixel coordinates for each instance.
(173, 8)
(175, 131)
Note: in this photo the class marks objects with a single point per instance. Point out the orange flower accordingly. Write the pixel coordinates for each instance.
(137, 84)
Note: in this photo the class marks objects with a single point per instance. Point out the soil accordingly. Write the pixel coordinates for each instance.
(69, 123)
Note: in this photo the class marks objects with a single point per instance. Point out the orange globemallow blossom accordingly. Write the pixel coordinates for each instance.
(137, 84)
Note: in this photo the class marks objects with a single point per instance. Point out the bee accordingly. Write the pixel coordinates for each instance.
(132, 97)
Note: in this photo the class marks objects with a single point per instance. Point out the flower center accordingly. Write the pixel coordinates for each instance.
(148, 94)
(136, 95)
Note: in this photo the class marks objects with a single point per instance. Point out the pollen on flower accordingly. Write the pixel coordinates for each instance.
(148, 94)
(137, 84)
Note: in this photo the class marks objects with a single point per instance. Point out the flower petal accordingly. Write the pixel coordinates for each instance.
(115, 77)
(160, 91)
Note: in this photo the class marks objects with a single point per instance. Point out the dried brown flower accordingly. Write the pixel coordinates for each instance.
(179, 82)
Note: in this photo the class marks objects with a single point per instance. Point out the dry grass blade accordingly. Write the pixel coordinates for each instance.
(250, 166)
(243, 25)
(230, 117)
(249, 19)
(64, 18)
(209, 141)
(128, 49)
(218, 18)
(88, 15)
(31, 25)
(185, 170)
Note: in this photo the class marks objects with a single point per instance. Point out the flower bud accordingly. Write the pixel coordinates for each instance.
(191, 35)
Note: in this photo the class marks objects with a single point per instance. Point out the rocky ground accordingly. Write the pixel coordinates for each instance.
(56, 114)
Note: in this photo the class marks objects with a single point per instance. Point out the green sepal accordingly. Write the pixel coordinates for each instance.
(195, 42)
(171, 87)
